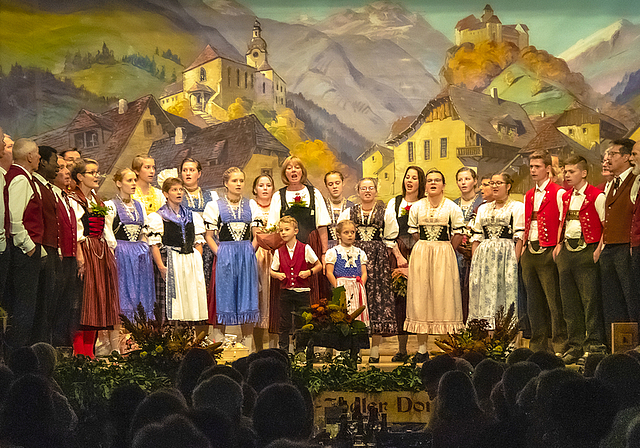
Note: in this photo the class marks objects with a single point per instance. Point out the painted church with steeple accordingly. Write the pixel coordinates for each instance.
(214, 81)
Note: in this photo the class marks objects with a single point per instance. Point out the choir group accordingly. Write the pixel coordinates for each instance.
(567, 258)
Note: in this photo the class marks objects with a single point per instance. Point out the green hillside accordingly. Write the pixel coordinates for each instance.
(36, 38)
(522, 86)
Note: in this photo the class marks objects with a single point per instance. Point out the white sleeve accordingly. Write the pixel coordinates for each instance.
(20, 193)
(345, 214)
(309, 255)
(198, 226)
(156, 229)
(475, 224)
(457, 219)
(214, 195)
(391, 229)
(363, 257)
(518, 220)
(331, 256)
(274, 209)
(109, 236)
(211, 216)
(559, 199)
(256, 213)
(413, 217)
(322, 214)
(275, 263)
(79, 212)
(600, 205)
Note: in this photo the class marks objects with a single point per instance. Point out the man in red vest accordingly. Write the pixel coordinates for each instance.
(66, 316)
(619, 301)
(576, 256)
(543, 204)
(43, 176)
(27, 228)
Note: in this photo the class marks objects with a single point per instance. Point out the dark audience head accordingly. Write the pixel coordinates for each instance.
(241, 365)
(550, 383)
(23, 361)
(486, 375)
(156, 407)
(123, 403)
(277, 414)
(499, 402)
(221, 369)
(266, 371)
(634, 354)
(633, 433)
(286, 443)
(217, 427)
(456, 398)
(250, 397)
(591, 363)
(582, 411)
(28, 418)
(6, 380)
(196, 361)
(464, 366)
(47, 358)
(174, 431)
(519, 355)
(220, 393)
(621, 373)
(433, 369)
(546, 361)
(474, 358)
(515, 378)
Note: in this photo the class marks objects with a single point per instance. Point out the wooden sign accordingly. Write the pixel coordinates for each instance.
(624, 336)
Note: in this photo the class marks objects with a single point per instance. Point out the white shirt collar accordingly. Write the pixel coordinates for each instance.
(40, 178)
(624, 174)
(543, 187)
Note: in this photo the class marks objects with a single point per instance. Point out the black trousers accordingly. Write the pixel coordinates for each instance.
(46, 296)
(544, 306)
(581, 297)
(65, 317)
(290, 301)
(619, 302)
(22, 286)
(5, 262)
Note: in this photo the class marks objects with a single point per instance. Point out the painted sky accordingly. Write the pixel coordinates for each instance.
(555, 25)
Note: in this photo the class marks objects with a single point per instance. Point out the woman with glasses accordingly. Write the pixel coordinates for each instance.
(96, 264)
(496, 247)
(434, 304)
(376, 232)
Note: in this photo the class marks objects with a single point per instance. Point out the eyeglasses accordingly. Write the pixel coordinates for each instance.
(367, 188)
(486, 184)
(613, 153)
(496, 184)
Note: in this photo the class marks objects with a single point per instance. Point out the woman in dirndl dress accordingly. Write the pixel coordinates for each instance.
(497, 245)
(434, 304)
(96, 263)
(376, 233)
(230, 219)
(126, 233)
(263, 187)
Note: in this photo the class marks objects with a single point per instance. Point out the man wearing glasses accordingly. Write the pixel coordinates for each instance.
(620, 303)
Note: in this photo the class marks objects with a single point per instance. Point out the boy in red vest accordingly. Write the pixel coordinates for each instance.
(576, 255)
(539, 272)
(293, 264)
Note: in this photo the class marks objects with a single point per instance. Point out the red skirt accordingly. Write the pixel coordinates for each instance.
(100, 301)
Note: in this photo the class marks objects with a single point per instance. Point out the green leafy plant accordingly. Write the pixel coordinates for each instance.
(399, 285)
(477, 337)
(333, 316)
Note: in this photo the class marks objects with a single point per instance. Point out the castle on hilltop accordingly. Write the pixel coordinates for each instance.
(489, 27)
(214, 81)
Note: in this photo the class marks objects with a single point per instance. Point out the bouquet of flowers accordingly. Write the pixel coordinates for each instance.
(333, 316)
(298, 202)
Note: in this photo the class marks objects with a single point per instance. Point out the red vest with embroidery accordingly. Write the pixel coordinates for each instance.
(635, 224)
(32, 217)
(291, 267)
(67, 229)
(49, 215)
(588, 215)
(548, 215)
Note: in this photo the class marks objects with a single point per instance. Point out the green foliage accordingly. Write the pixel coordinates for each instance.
(399, 285)
(342, 376)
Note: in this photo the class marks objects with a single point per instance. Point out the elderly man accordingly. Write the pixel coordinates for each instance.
(26, 229)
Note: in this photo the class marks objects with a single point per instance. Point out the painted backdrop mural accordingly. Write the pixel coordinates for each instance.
(369, 87)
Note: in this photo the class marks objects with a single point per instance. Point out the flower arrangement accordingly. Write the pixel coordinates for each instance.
(298, 202)
(477, 337)
(405, 210)
(399, 283)
(333, 316)
(99, 210)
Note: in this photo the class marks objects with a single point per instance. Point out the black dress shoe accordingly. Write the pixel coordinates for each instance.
(571, 356)
(421, 357)
(400, 357)
(374, 360)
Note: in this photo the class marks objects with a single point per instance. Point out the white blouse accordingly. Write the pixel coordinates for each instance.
(211, 214)
(489, 215)
(109, 236)
(391, 229)
(321, 212)
(156, 228)
(423, 214)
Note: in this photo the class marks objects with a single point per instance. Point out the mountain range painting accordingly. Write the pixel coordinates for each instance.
(357, 84)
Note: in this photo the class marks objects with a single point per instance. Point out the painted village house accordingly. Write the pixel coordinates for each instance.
(460, 128)
(113, 138)
(243, 142)
(590, 128)
(213, 82)
(377, 162)
(489, 27)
